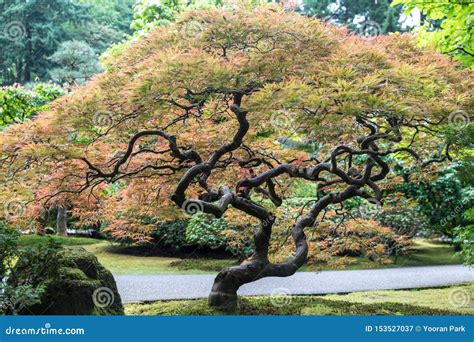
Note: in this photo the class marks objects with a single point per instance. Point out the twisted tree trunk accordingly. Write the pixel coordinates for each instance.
(229, 280)
(346, 181)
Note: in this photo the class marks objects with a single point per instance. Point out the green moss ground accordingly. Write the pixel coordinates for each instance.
(434, 301)
(435, 298)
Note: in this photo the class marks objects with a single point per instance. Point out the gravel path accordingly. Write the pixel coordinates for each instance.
(138, 288)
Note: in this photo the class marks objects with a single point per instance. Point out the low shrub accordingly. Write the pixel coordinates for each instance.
(204, 232)
(403, 221)
(464, 238)
(171, 234)
(27, 291)
(357, 238)
(8, 250)
(49, 91)
(18, 104)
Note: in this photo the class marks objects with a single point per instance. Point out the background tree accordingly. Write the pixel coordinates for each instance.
(443, 200)
(31, 32)
(447, 26)
(463, 139)
(110, 24)
(355, 13)
(150, 14)
(61, 221)
(76, 61)
(114, 14)
(464, 236)
(189, 120)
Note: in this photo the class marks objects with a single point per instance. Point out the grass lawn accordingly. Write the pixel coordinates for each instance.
(434, 301)
(427, 252)
(113, 257)
(31, 240)
(423, 253)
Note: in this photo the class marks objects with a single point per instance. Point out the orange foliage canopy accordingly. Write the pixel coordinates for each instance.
(303, 80)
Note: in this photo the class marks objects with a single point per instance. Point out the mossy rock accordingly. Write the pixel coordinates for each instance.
(79, 285)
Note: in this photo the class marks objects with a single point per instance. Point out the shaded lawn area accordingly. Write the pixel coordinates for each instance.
(426, 252)
(119, 259)
(434, 301)
(423, 253)
(112, 258)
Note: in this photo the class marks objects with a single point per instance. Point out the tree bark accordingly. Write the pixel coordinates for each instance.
(229, 280)
(28, 58)
(18, 70)
(224, 291)
(61, 221)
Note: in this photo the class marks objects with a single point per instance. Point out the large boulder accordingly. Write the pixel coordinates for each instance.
(78, 285)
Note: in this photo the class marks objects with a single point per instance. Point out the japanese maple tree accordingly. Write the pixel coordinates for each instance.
(196, 116)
